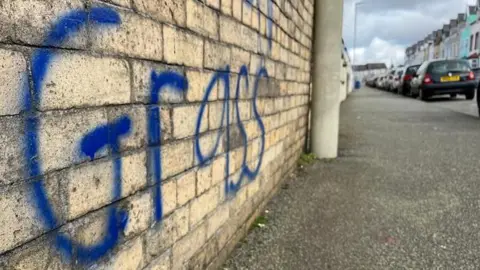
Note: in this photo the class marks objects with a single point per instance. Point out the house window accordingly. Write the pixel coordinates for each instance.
(471, 43)
(476, 41)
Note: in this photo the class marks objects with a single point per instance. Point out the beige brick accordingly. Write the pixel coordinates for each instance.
(162, 262)
(262, 5)
(138, 134)
(139, 212)
(181, 217)
(13, 75)
(186, 184)
(161, 236)
(60, 133)
(270, 66)
(237, 9)
(182, 48)
(239, 58)
(226, 6)
(280, 71)
(28, 21)
(225, 233)
(247, 13)
(129, 257)
(202, 19)
(177, 157)
(76, 80)
(255, 63)
(213, 3)
(142, 82)
(185, 121)
(170, 11)
(198, 82)
(237, 34)
(207, 143)
(12, 163)
(203, 205)
(217, 219)
(136, 36)
(215, 110)
(187, 246)
(245, 111)
(90, 187)
(169, 196)
(218, 170)
(275, 53)
(216, 55)
(123, 3)
(202, 258)
(40, 253)
(204, 179)
(253, 187)
(19, 220)
(263, 24)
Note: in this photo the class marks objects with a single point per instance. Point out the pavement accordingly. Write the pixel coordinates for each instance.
(403, 194)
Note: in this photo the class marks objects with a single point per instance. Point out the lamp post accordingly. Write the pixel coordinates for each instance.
(359, 3)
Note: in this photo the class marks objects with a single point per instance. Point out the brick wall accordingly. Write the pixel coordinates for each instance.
(145, 134)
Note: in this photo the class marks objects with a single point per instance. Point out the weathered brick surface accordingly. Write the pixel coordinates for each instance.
(182, 47)
(76, 80)
(103, 72)
(136, 36)
(13, 76)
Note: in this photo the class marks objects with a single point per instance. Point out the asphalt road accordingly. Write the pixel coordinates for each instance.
(458, 104)
(404, 194)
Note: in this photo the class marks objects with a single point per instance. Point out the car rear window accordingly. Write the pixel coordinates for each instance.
(411, 70)
(449, 66)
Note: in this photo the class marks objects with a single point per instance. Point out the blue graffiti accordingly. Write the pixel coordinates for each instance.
(231, 187)
(158, 82)
(66, 27)
(108, 136)
(269, 23)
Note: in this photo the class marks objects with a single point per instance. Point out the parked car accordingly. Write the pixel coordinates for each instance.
(403, 78)
(390, 84)
(380, 82)
(440, 77)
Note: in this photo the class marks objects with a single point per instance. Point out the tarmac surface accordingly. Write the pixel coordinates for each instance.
(403, 194)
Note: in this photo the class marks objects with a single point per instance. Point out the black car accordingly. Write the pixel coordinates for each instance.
(405, 76)
(440, 77)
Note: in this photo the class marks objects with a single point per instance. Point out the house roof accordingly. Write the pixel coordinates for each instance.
(370, 66)
(376, 66)
(359, 67)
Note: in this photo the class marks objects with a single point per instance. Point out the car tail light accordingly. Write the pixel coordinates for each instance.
(471, 76)
(407, 77)
(427, 79)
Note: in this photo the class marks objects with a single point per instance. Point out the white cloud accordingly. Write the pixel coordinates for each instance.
(380, 51)
(386, 27)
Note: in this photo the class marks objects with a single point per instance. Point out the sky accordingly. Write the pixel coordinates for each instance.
(385, 28)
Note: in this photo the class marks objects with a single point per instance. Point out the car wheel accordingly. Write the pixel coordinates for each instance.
(453, 95)
(478, 103)
(470, 95)
(422, 95)
(413, 94)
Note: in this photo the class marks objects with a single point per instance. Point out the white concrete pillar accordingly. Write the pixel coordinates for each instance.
(326, 77)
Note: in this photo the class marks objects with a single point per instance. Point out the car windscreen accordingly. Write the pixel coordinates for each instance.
(411, 70)
(442, 67)
(400, 73)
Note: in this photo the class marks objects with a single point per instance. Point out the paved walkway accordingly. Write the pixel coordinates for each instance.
(404, 194)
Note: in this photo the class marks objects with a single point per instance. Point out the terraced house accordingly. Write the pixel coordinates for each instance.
(460, 38)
